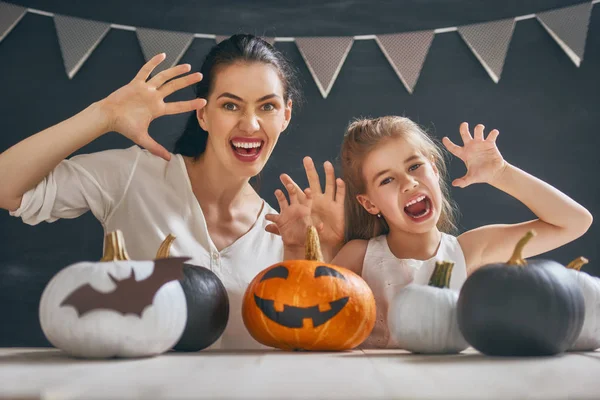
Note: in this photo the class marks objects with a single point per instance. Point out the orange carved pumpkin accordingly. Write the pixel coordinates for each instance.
(308, 304)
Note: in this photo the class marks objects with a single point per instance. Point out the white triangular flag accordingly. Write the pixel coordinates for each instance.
(489, 42)
(324, 57)
(569, 27)
(173, 44)
(406, 53)
(78, 38)
(10, 15)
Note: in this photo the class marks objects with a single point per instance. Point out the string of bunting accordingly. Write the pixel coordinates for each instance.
(325, 56)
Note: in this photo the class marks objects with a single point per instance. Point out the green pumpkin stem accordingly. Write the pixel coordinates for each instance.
(517, 256)
(114, 247)
(440, 277)
(577, 263)
(165, 247)
(312, 249)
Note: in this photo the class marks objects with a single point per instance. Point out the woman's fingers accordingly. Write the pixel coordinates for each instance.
(329, 179)
(147, 69)
(178, 107)
(287, 180)
(153, 147)
(272, 228)
(281, 200)
(164, 76)
(312, 175)
(179, 83)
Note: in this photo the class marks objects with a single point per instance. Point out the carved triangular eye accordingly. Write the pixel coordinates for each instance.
(277, 272)
(326, 271)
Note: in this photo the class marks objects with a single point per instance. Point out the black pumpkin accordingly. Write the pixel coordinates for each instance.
(521, 308)
(207, 304)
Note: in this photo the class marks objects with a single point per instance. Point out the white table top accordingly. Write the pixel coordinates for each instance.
(38, 373)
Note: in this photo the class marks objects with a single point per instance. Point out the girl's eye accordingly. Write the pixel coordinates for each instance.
(230, 106)
(268, 107)
(414, 167)
(385, 181)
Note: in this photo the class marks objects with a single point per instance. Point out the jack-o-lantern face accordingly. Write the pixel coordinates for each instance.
(308, 305)
(293, 316)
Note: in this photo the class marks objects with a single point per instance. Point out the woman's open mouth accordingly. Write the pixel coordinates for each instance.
(246, 150)
(419, 208)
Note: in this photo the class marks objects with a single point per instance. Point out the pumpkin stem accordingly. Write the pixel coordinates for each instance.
(114, 247)
(312, 249)
(441, 274)
(165, 247)
(517, 256)
(577, 263)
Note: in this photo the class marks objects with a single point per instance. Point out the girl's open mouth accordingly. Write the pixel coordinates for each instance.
(419, 209)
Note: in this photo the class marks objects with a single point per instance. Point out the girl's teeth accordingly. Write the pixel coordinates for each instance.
(418, 199)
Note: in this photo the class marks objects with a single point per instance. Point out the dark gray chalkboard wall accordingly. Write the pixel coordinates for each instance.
(545, 108)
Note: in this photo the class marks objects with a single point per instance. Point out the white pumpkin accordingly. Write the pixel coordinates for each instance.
(93, 309)
(589, 338)
(422, 318)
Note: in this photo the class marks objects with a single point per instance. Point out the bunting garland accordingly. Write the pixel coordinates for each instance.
(325, 56)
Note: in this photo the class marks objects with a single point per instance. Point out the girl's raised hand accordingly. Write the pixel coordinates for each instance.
(481, 156)
(131, 108)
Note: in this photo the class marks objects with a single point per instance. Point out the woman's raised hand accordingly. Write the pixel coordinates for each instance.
(130, 109)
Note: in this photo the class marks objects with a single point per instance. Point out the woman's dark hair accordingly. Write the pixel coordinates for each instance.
(238, 48)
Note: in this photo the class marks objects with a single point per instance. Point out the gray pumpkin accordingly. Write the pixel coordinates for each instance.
(521, 308)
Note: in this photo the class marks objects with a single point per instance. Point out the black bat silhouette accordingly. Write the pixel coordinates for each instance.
(130, 296)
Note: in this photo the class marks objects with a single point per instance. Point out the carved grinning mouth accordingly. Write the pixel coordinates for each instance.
(293, 317)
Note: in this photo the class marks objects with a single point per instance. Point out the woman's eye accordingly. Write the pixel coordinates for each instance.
(414, 167)
(230, 106)
(268, 107)
(385, 181)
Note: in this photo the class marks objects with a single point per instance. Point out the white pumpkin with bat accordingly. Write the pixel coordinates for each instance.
(123, 308)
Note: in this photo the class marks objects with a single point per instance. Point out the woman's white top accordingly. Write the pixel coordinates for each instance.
(147, 198)
(386, 275)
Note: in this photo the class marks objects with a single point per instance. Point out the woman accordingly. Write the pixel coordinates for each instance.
(201, 192)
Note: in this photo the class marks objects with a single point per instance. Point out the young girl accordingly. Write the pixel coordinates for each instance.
(399, 218)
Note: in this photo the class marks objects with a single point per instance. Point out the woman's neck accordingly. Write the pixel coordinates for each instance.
(215, 186)
(417, 246)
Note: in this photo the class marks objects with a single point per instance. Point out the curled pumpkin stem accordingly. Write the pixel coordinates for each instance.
(440, 276)
(114, 247)
(165, 247)
(517, 256)
(312, 249)
(577, 263)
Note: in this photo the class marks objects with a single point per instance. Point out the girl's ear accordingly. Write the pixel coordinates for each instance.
(367, 204)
